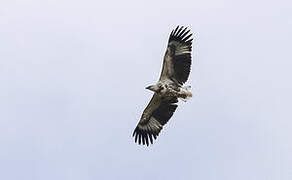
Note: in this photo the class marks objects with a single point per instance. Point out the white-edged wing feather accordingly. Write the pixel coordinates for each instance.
(156, 114)
(177, 60)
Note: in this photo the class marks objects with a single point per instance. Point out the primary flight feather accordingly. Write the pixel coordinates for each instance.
(175, 72)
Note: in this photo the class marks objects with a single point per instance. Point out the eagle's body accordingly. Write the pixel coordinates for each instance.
(168, 88)
(167, 91)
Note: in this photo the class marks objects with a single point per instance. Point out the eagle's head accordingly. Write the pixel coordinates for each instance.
(154, 88)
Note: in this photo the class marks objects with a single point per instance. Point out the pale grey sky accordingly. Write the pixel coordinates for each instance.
(73, 77)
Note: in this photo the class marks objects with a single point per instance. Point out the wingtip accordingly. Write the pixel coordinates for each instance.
(143, 138)
(180, 33)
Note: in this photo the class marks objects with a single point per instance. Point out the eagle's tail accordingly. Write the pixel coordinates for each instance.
(184, 93)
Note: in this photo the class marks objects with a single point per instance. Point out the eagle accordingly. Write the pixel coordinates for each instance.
(175, 72)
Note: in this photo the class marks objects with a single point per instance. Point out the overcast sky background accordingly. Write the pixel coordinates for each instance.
(73, 77)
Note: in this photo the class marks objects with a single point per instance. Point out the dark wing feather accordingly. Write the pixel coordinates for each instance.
(177, 59)
(156, 114)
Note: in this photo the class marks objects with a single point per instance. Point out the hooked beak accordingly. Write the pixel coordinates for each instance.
(148, 87)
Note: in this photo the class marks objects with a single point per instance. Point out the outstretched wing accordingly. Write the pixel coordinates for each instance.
(177, 59)
(156, 114)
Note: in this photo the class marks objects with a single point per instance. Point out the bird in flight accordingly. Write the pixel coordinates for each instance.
(175, 72)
